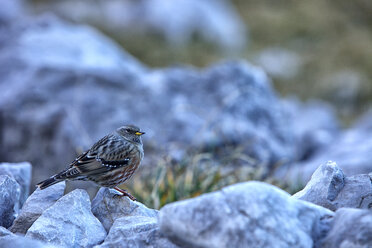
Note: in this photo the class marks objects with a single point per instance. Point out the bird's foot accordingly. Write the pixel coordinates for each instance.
(123, 192)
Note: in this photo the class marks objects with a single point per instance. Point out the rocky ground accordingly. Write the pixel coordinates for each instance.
(333, 210)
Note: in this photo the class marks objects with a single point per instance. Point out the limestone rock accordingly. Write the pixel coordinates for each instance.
(251, 214)
(350, 228)
(21, 172)
(136, 231)
(107, 207)
(350, 150)
(12, 241)
(35, 205)
(9, 200)
(330, 188)
(69, 223)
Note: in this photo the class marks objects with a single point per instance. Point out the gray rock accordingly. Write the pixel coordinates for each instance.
(4, 232)
(21, 172)
(136, 231)
(35, 206)
(351, 228)
(9, 200)
(69, 223)
(12, 241)
(350, 150)
(11, 10)
(280, 63)
(314, 124)
(108, 208)
(177, 21)
(330, 188)
(251, 214)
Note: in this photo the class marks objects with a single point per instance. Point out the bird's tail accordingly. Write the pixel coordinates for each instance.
(49, 182)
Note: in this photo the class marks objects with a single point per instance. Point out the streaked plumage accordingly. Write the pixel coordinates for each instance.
(109, 163)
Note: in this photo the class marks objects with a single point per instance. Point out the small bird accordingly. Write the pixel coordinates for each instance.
(109, 163)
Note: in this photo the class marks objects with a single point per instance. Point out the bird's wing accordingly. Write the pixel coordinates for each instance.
(107, 154)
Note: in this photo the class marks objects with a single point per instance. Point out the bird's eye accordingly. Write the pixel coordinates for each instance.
(127, 130)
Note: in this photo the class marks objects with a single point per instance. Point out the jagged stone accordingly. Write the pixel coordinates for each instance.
(35, 205)
(136, 231)
(350, 228)
(330, 188)
(9, 200)
(108, 207)
(251, 214)
(69, 222)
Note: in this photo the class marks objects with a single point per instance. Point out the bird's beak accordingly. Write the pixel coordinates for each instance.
(140, 133)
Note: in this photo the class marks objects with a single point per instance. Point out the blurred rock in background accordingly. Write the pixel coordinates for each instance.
(351, 150)
(214, 21)
(280, 63)
(10, 11)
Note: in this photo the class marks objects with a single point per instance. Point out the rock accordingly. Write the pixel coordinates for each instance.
(4, 232)
(35, 206)
(251, 214)
(330, 188)
(136, 231)
(314, 123)
(177, 21)
(350, 228)
(9, 200)
(12, 241)
(343, 88)
(280, 63)
(21, 172)
(10, 11)
(108, 208)
(350, 150)
(68, 223)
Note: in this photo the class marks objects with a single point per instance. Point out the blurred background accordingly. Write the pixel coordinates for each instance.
(226, 90)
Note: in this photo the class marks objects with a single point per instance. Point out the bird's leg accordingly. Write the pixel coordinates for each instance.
(125, 193)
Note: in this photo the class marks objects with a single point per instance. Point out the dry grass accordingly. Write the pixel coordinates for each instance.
(198, 173)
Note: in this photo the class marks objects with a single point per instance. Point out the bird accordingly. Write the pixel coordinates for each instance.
(109, 162)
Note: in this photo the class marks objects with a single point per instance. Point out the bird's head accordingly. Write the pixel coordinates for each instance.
(130, 133)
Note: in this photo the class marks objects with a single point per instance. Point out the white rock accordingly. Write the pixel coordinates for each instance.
(9, 200)
(69, 223)
(21, 172)
(330, 188)
(251, 214)
(108, 208)
(35, 205)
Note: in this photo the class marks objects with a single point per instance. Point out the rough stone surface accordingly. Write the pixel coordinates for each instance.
(10, 10)
(177, 21)
(35, 206)
(21, 172)
(251, 214)
(351, 228)
(9, 200)
(4, 232)
(136, 231)
(350, 150)
(108, 208)
(69, 223)
(12, 241)
(314, 124)
(330, 188)
(280, 63)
